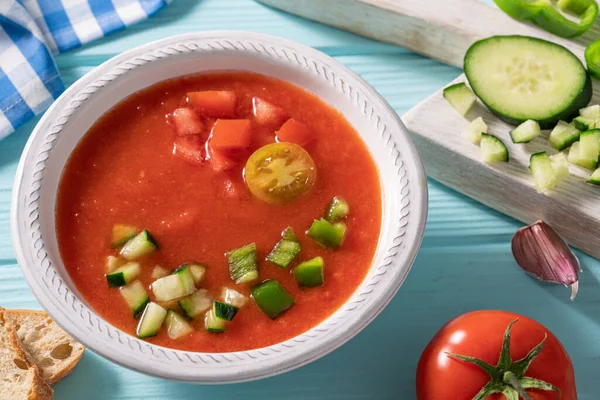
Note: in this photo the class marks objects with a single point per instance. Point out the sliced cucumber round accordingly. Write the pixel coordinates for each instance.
(520, 78)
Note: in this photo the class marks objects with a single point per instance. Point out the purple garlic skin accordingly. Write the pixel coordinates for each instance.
(543, 254)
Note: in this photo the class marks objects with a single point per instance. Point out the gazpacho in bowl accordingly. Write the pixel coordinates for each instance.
(219, 212)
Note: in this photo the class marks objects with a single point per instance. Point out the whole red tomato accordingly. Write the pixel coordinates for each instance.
(479, 334)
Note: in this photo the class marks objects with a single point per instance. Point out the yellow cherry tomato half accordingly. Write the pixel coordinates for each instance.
(280, 173)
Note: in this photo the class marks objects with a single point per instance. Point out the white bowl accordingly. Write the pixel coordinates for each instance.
(402, 178)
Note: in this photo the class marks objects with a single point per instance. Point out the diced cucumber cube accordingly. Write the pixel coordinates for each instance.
(460, 96)
(271, 298)
(589, 145)
(594, 179)
(196, 303)
(560, 165)
(198, 271)
(584, 123)
(543, 172)
(123, 275)
(224, 311)
(563, 135)
(492, 149)
(141, 245)
(525, 132)
(179, 284)
(233, 297)
(136, 297)
(113, 263)
(310, 273)
(151, 321)
(177, 326)
(574, 157)
(159, 272)
(475, 129)
(592, 112)
(212, 323)
(121, 234)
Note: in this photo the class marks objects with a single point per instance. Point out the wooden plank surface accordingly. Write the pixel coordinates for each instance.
(465, 261)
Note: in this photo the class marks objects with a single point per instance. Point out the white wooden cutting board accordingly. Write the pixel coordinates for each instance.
(444, 30)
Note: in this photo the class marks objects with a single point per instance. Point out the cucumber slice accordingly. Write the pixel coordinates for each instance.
(151, 321)
(198, 271)
(521, 78)
(592, 112)
(475, 129)
(212, 323)
(233, 297)
(196, 303)
(310, 273)
(492, 149)
(121, 234)
(243, 266)
(460, 97)
(224, 311)
(574, 157)
(327, 234)
(113, 263)
(563, 135)
(560, 165)
(589, 144)
(179, 284)
(584, 123)
(285, 250)
(337, 209)
(525, 132)
(594, 179)
(123, 275)
(177, 326)
(141, 245)
(159, 272)
(136, 297)
(543, 173)
(271, 298)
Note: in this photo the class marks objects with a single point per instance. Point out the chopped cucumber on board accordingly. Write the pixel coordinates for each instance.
(123, 275)
(563, 135)
(243, 264)
(560, 165)
(585, 123)
(141, 245)
(151, 321)
(520, 78)
(475, 129)
(594, 179)
(492, 149)
(525, 132)
(589, 144)
(574, 157)
(176, 325)
(136, 297)
(460, 97)
(544, 175)
(592, 112)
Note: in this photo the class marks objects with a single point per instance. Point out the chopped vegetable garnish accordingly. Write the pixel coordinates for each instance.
(151, 321)
(460, 97)
(594, 179)
(560, 165)
(177, 326)
(575, 157)
(271, 298)
(592, 112)
(224, 311)
(266, 113)
(190, 148)
(136, 297)
(337, 209)
(285, 250)
(159, 272)
(230, 134)
(563, 136)
(196, 303)
(475, 129)
(179, 284)
(525, 132)
(542, 253)
(493, 149)
(121, 234)
(233, 297)
(545, 14)
(212, 323)
(198, 271)
(544, 175)
(243, 265)
(589, 144)
(310, 273)
(280, 172)
(213, 103)
(113, 263)
(327, 234)
(219, 160)
(141, 245)
(186, 122)
(123, 275)
(294, 131)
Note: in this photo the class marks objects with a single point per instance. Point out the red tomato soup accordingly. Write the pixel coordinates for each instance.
(171, 159)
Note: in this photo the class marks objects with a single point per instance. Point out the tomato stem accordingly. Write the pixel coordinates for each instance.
(508, 376)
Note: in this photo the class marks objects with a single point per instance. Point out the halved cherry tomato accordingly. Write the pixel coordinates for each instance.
(280, 172)
(231, 134)
(479, 334)
(267, 113)
(190, 148)
(295, 132)
(186, 122)
(213, 103)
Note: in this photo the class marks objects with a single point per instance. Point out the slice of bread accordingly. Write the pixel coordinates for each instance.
(19, 378)
(52, 349)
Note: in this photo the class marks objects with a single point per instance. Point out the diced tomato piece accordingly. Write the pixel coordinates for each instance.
(231, 134)
(220, 161)
(190, 148)
(213, 103)
(295, 132)
(186, 122)
(266, 113)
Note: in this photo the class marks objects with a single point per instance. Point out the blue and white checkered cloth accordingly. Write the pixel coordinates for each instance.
(31, 31)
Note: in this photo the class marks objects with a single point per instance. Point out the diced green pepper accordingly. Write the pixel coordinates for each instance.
(327, 234)
(285, 250)
(243, 266)
(310, 273)
(337, 209)
(271, 298)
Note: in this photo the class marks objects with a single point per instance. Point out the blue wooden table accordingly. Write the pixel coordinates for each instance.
(465, 262)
